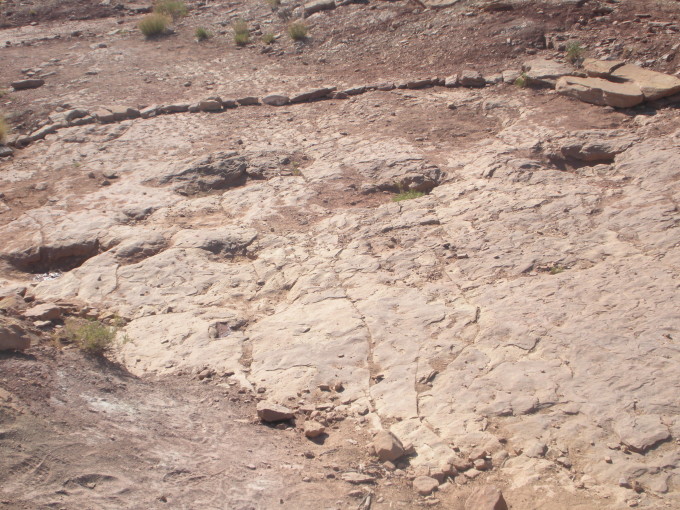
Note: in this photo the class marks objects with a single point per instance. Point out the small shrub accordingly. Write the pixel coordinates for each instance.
(173, 8)
(574, 52)
(274, 4)
(407, 195)
(241, 32)
(297, 31)
(268, 38)
(90, 336)
(4, 129)
(154, 24)
(521, 81)
(202, 34)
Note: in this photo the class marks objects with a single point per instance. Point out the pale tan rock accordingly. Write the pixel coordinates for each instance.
(387, 446)
(601, 68)
(486, 498)
(272, 412)
(45, 311)
(545, 73)
(425, 485)
(642, 432)
(654, 85)
(600, 92)
(276, 100)
(313, 429)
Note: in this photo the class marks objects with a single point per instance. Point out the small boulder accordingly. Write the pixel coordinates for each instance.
(312, 95)
(276, 100)
(451, 81)
(313, 429)
(654, 85)
(544, 73)
(272, 412)
(470, 78)
(425, 485)
(248, 101)
(210, 105)
(486, 498)
(32, 83)
(601, 68)
(318, 6)
(387, 446)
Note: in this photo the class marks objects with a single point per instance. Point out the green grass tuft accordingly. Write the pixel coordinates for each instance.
(90, 336)
(521, 81)
(173, 8)
(407, 195)
(154, 25)
(297, 31)
(574, 52)
(268, 38)
(202, 34)
(241, 32)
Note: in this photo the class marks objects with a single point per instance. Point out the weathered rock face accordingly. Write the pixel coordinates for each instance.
(449, 317)
(654, 85)
(13, 337)
(318, 6)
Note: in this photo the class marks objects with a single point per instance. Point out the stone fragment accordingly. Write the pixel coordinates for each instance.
(601, 68)
(640, 433)
(312, 95)
(451, 81)
(535, 450)
(45, 312)
(419, 84)
(210, 105)
(511, 75)
(544, 73)
(654, 85)
(32, 83)
(248, 101)
(175, 108)
(425, 485)
(276, 100)
(600, 92)
(44, 131)
(357, 478)
(5, 151)
(150, 111)
(387, 446)
(355, 91)
(313, 429)
(470, 78)
(273, 412)
(318, 6)
(487, 497)
(104, 115)
(597, 146)
(13, 337)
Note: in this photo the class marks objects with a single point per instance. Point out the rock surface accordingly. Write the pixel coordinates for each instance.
(486, 498)
(32, 83)
(387, 446)
(425, 485)
(13, 337)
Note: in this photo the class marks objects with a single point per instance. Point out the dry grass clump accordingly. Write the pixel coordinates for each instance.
(241, 32)
(4, 129)
(407, 195)
(268, 38)
(154, 24)
(297, 31)
(173, 8)
(574, 52)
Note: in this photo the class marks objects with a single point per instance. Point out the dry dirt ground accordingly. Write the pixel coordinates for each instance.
(525, 306)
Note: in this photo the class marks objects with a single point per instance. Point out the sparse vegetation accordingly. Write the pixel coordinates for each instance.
(4, 129)
(154, 25)
(297, 31)
(175, 9)
(407, 195)
(557, 269)
(90, 336)
(574, 52)
(202, 34)
(268, 38)
(241, 32)
(274, 4)
(521, 81)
